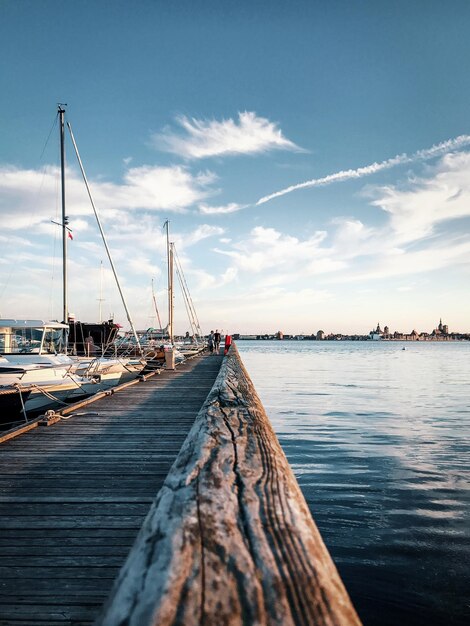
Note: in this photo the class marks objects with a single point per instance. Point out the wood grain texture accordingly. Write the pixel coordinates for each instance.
(230, 539)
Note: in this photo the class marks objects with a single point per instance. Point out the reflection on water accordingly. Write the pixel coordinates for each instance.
(378, 438)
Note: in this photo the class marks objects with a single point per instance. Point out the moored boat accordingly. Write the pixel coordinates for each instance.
(35, 371)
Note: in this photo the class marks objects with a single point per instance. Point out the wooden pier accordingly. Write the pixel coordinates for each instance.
(228, 541)
(74, 495)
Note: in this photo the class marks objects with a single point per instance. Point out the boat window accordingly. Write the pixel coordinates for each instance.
(28, 340)
(23, 340)
(53, 341)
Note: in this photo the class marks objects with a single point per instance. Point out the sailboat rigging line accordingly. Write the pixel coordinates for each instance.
(56, 117)
(187, 305)
(156, 307)
(186, 302)
(190, 301)
(185, 290)
(191, 323)
(136, 337)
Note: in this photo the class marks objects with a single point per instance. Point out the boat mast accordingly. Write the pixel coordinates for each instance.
(65, 219)
(129, 319)
(169, 255)
(171, 293)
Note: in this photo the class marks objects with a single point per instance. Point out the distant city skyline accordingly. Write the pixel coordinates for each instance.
(439, 329)
(313, 160)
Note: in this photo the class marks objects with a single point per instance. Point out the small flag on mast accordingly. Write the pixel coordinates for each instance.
(69, 233)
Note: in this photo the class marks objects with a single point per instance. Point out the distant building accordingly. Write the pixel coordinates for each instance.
(442, 329)
(320, 335)
(376, 334)
(279, 334)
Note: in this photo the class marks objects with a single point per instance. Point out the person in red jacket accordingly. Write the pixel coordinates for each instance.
(228, 343)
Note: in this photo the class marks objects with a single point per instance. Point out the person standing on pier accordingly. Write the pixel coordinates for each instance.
(89, 346)
(210, 342)
(217, 341)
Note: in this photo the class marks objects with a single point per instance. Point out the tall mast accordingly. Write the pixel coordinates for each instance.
(65, 219)
(169, 256)
(171, 293)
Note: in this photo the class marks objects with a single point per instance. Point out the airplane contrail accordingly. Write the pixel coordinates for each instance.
(367, 170)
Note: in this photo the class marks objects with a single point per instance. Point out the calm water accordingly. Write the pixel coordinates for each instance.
(378, 438)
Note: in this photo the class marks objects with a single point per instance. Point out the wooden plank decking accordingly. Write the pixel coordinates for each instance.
(74, 495)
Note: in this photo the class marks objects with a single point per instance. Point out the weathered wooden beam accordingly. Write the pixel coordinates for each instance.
(230, 539)
(19, 430)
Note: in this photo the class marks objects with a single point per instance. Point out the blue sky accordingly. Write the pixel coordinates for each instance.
(196, 111)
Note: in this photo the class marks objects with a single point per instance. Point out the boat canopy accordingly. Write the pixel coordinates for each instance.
(6, 323)
(32, 336)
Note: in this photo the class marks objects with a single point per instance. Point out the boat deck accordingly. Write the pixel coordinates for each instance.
(74, 495)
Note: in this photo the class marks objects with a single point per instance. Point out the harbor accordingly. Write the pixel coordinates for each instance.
(75, 493)
(89, 512)
(234, 313)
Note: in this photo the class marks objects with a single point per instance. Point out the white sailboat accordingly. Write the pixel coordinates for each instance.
(36, 371)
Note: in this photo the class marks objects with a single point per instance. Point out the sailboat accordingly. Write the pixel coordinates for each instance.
(37, 372)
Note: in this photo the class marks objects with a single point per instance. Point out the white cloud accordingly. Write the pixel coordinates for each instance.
(29, 197)
(267, 248)
(11, 240)
(229, 276)
(201, 232)
(78, 225)
(415, 212)
(208, 138)
(232, 207)
(155, 188)
(415, 237)
(417, 209)
(142, 264)
(448, 253)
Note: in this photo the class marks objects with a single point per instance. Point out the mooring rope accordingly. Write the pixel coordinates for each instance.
(48, 395)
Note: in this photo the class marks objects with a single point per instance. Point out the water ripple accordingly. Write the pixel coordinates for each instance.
(379, 441)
